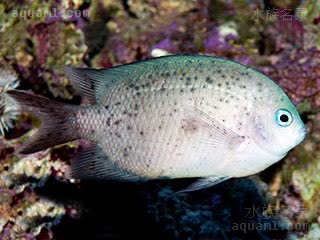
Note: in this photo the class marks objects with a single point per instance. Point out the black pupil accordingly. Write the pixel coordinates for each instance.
(284, 118)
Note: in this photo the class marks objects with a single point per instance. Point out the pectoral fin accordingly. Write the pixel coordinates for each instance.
(214, 139)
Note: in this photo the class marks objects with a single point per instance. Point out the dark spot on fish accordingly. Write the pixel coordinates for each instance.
(247, 114)
(118, 135)
(183, 74)
(106, 107)
(136, 107)
(141, 133)
(187, 83)
(117, 122)
(188, 79)
(243, 86)
(181, 79)
(192, 89)
(220, 99)
(219, 71)
(227, 83)
(167, 74)
(125, 152)
(138, 93)
(195, 78)
(227, 101)
(223, 120)
(204, 86)
(162, 89)
(118, 103)
(223, 75)
(131, 85)
(237, 78)
(108, 122)
(147, 84)
(136, 87)
(219, 84)
(92, 131)
(124, 112)
(209, 80)
(181, 90)
(129, 127)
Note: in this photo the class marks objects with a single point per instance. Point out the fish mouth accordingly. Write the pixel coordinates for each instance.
(302, 133)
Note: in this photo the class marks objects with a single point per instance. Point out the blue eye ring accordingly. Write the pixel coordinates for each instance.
(283, 117)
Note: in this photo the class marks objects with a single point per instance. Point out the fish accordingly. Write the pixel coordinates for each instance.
(178, 116)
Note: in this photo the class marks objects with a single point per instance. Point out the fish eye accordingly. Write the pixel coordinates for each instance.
(283, 117)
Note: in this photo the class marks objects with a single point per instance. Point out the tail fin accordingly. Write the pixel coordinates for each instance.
(58, 125)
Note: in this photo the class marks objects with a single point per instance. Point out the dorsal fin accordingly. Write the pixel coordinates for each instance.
(93, 83)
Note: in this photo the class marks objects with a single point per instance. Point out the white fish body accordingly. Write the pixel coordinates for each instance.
(181, 116)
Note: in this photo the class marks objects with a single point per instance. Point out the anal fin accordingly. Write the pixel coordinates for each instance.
(94, 164)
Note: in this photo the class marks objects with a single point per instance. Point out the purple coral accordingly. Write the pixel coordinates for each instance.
(298, 74)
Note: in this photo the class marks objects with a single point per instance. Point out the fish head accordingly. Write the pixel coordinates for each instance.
(277, 126)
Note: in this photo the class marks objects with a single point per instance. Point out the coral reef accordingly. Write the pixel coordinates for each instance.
(279, 38)
(8, 106)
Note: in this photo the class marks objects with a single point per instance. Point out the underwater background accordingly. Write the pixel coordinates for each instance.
(37, 38)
